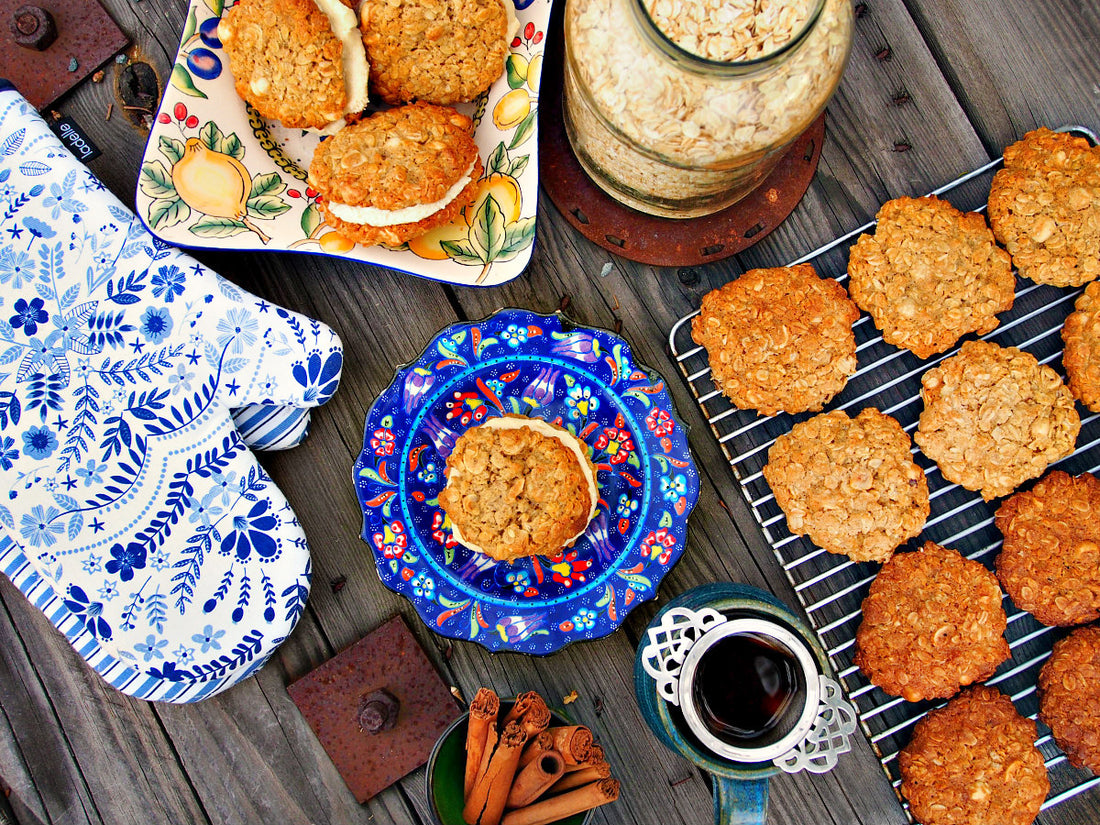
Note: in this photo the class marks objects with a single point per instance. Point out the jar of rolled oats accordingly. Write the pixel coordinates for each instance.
(680, 108)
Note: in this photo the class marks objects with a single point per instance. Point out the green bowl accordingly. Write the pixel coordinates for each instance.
(447, 770)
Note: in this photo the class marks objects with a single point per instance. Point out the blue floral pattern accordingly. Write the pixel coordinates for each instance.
(582, 379)
(132, 511)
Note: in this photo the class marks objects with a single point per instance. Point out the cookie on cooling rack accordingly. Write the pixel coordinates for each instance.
(1069, 696)
(1044, 206)
(397, 174)
(436, 50)
(779, 339)
(974, 762)
(850, 484)
(994, 417)
(519, 487)
(930, 274)
(1081, 336)
(300, 62)
(932, 623)
(1050, 561)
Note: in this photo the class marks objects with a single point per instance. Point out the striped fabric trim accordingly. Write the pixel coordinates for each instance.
(266, 427)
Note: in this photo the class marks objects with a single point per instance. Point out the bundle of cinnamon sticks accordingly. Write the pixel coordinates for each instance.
(522, 771)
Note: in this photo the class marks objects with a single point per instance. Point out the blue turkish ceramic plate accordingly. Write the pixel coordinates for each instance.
(585, 380)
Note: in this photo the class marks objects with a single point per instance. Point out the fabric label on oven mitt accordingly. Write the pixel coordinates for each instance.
(132, 512)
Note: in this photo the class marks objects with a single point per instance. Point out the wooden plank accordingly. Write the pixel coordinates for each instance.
(88, 750)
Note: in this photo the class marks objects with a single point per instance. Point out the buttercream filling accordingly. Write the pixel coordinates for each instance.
(572, 443)
(345, 26)
(373, 216)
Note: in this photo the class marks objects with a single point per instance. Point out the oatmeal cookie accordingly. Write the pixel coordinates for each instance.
(1044, 206)
(440, 51)
(1069, 696)
(397, 174)
(779, 339)
(994, 417)
(974, 762)
(930, 274)
(1081, 335)
(294, 62)
(850, 484)
(1050, 561)
(519, 487)
(932, 623)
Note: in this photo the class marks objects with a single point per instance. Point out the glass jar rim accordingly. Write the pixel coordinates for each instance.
(693, 61)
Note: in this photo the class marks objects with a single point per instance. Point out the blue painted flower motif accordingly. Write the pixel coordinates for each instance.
(180, 380)
(159, 560)
(429, 473)
(319, 376)
(672, 488)
(581, 402)
(151, 648)
(585, 619)
(541, 391)
(518, 579)
(168, 283)
(627, 506)
(208, 639)
(156, 323)
(39, 442)
(237, 330)
(28, 316)
(39, 528)
(225, 485)
(15, 267)
(184, 655)
(92, 564)
(89, 612)
(109, 591)
(252, 532)
(424, 586)
(207, 509)
(8, 452)
(91, 472)
(125, 560)
(514, 335)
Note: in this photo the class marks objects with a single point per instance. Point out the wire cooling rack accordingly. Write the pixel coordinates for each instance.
(832, 588)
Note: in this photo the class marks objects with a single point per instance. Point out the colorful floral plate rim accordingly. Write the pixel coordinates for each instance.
(215, 174)
(582, 378)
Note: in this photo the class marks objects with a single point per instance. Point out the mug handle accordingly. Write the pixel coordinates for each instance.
(740, 801)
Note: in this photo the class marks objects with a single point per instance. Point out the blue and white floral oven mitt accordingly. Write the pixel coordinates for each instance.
(132, 512)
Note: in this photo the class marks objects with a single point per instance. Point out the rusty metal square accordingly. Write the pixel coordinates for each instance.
(329, 697)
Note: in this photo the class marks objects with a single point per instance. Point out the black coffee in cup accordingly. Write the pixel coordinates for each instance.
(749, 690)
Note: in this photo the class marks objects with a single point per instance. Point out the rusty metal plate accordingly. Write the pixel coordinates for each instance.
(85, 33)
(646, 238)
(330, 697)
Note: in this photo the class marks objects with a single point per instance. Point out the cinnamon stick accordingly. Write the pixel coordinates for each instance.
(559, 807)
(574, 779)
(483, 717)
(520, 706)
(536, 747)
(574, 743)
(531, 782)
(485, 804)
(596, 756)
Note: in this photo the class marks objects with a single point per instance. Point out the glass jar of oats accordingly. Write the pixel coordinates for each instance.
(680, 108)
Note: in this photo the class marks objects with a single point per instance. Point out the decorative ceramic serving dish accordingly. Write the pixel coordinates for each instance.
(490, 243)
(583, 379)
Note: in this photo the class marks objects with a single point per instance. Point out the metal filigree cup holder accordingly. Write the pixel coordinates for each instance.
(809, 734)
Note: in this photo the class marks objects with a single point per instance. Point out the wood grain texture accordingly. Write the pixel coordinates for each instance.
(933, 88)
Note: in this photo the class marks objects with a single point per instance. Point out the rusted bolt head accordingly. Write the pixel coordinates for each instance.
(378, 712)
(33, 27)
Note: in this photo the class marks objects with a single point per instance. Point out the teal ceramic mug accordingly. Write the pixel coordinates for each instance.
(447, 768)
(740, 774)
